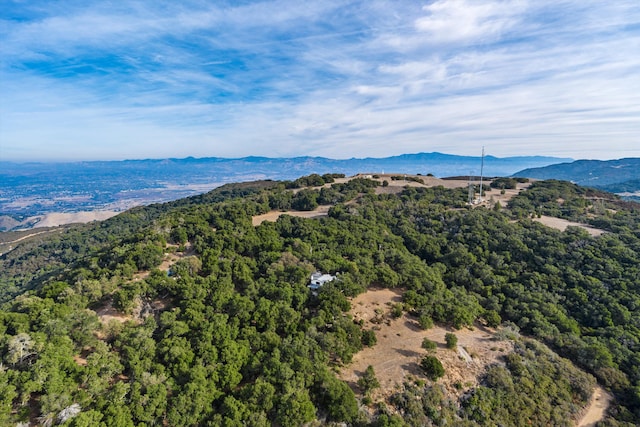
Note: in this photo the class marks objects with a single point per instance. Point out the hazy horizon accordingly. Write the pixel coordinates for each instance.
(90, 80)
(275, 158)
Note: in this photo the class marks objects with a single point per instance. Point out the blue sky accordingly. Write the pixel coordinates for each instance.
(84, 80)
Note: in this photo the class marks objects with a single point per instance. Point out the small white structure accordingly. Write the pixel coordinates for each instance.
(318, 280)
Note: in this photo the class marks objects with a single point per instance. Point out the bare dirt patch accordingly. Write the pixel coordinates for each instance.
(170, 258)
(489, 198)
(107, 314)
(597, 408)
(396, 356)
(562, 224)
(81, 361)
(272, 216)
(168, 261)
(496, 195)
(396, 185)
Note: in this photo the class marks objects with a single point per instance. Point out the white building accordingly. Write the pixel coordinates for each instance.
(318, 280)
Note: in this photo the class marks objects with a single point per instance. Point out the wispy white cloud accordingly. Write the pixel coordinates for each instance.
(336, 78)
(469, 21)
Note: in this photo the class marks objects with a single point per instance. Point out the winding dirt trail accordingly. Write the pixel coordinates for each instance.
(6, 247)
(597, 409)
(20, 239)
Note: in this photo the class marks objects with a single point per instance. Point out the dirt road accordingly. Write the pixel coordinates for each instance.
(597, 408)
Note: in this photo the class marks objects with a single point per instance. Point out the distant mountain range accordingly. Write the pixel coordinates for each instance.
(620, 176)
(29, 189)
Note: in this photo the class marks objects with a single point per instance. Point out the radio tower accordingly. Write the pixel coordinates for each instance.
(472, 191)
(481, 170)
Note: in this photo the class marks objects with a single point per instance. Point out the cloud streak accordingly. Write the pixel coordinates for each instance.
(469, 21)
(87, 80)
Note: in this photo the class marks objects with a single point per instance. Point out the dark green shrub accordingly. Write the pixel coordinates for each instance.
(427, 344)
(451, 339)
(432, 367)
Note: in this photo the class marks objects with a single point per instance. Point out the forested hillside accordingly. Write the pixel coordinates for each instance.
(187, 314)
(616, 176)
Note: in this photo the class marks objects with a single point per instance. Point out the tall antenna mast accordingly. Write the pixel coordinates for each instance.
(472, 191)
(481, 171)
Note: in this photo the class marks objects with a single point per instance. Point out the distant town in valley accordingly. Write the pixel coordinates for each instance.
(49, 194)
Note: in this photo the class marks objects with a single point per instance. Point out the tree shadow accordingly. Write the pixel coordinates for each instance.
(353, 385)
(413, 325)
(412, 368)
(407, 353)
(488, 334)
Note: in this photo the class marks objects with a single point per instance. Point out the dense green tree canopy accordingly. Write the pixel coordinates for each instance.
(230, 334)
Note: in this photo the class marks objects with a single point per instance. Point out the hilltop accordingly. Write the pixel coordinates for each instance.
(198, 311)
(82, 191)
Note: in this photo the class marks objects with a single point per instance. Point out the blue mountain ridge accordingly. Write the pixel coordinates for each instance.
(607, 174)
